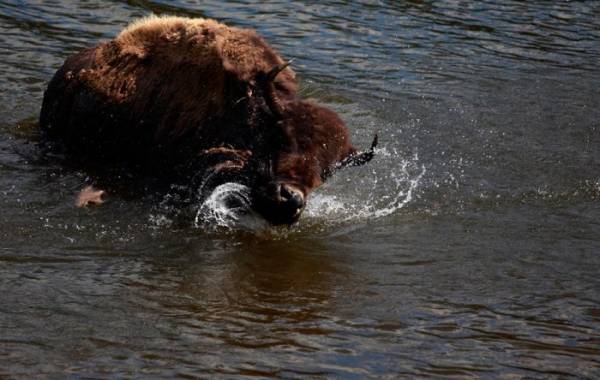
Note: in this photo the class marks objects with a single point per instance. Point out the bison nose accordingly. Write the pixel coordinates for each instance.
(291, 197)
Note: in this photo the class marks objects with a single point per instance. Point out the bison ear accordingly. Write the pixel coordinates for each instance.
(359, 158)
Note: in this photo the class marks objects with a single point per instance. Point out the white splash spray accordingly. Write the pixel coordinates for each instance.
(369, 196)
(370, 192)
(366, 195)
(228, 206)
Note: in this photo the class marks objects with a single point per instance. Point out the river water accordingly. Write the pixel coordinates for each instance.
(469, 247)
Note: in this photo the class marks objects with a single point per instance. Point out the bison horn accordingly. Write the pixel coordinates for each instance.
(360, 158)
(272, 74)
(275, 104)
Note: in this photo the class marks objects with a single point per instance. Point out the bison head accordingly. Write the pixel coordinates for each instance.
(299, 145)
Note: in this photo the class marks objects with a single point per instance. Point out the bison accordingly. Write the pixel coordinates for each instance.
(189, 96)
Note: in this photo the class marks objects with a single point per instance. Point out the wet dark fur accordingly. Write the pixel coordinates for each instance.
(182, 100)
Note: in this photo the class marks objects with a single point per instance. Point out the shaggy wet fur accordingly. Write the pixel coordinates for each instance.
(186, 95)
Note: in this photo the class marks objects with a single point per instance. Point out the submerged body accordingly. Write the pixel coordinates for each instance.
(186, 96)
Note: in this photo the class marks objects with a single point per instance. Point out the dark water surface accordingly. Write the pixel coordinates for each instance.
(470, 248)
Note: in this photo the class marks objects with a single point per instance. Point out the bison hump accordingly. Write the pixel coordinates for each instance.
(198, 41)
(190, 62)
(160, 80)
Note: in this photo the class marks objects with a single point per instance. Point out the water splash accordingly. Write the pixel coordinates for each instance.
(365, 193)
(228, 206)
(371, 196)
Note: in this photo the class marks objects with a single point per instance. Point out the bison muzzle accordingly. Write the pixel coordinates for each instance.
(193, 98)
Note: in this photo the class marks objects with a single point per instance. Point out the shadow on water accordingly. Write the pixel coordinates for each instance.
(252, 282)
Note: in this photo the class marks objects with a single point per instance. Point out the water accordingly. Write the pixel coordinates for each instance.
(469, 247)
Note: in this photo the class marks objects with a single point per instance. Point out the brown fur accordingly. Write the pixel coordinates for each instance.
(192, 94)
(152, 59)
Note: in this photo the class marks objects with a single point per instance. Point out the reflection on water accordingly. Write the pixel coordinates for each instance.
(466, 249)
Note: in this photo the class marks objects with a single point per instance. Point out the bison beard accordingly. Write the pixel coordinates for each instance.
(186, 96)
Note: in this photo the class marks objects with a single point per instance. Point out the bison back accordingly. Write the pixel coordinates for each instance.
(165, 84)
